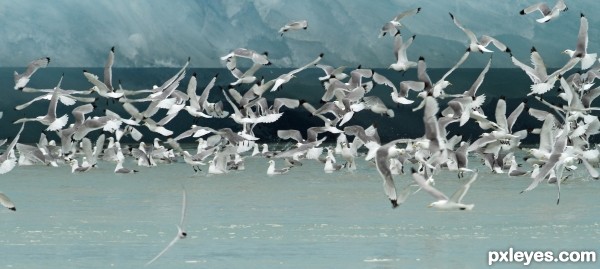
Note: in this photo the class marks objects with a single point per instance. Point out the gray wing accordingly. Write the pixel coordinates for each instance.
(293, 134)
(469, 33)
(462, 59)
(164, 250)
(582, 38)
(108, 69)
(542, 7)
(35, 65)
(460, 193)
(6, 202)
(473, 90)
(428, 188)
(407, 13)
(512, 118)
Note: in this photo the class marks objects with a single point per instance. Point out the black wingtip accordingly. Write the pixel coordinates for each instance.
(508, 50)
(522, 12)
(302, 101)
(321, 55)
(13, 208)
(84, 71)
(581, 15)
(48, 58)
(413, 170)
(421, 58)
(503, 97)
(414, 36)
(533, 49)
(112, 49)
(418, 9)
(194, 74)
(394, 203)
(451, 16)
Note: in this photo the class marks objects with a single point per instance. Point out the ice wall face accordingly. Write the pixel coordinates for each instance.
(164, 33)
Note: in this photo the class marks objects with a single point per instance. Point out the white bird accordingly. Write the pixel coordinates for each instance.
(481, 44)
(49, 119)
(330, 166)
(382, 157)
(21, 80)
(587, 59)
(181, 234)
(542, 82)
(272, 171)
(543, 8)
(402, 63)
(296, 25)
(7, 158)
(101, 88)
(443, 202)
(393, 25)
(6, 202)
(287, 76)
(119, 169)
(249, 54)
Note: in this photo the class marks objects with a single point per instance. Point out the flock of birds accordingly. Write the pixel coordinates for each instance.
(563, 135)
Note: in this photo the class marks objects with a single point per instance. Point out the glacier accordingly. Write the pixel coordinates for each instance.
(156, 33)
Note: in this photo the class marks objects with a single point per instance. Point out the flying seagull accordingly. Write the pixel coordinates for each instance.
(181, 234)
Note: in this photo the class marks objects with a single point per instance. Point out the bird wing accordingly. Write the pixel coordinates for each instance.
(108, 69)
(469, 33)
(460, 193)
(6, 202)
(428, 188)
(164, 250)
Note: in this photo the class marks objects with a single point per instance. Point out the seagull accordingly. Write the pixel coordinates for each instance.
(481, 44)
(443, 202)
(330, 166)
(272, 171)
(393, 25)
(249, 54)
(119, 169)
(587, 59)
(7, 159)
(542, 82)
(21, 80)
(6, 202)
(181, 234)
(402, 63)
(287, 76)
(543, 8)
(382, 157)
(296, 25)
(49, 119)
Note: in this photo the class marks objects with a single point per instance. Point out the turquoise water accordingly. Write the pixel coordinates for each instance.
(303, 219)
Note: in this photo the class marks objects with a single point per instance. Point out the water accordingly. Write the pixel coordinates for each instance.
(303, 219)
